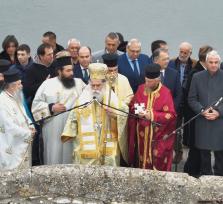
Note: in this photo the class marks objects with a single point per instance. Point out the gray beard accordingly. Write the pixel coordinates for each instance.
(98, 95)
(18, 96)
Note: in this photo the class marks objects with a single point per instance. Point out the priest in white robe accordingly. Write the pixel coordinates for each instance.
(16, 131)
(117, 82)
(54, 96)
(98, 132)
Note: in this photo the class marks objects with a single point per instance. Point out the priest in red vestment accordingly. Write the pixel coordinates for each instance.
(149, 148)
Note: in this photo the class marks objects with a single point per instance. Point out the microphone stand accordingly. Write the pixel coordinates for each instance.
(108, 129)
(41, 121)
(129, 114)
(214, 104)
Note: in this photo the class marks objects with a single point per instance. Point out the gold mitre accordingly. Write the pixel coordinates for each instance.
(97, 70)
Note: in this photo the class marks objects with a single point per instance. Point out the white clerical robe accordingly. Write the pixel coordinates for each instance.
(98, 138)
(52, 91)
(122, 88)
(15, 134)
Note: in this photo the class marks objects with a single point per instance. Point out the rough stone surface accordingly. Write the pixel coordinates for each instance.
(93, 184)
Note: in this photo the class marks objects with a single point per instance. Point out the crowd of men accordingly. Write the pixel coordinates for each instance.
(116, 106)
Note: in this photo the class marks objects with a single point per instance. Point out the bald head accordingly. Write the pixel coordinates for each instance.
(185, 51)
(84, 56)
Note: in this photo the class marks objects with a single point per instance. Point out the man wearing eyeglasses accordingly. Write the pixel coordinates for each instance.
(132, 63)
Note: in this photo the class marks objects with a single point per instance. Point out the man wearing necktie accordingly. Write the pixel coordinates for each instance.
(81, 69)
(135, 68)
(171, 80)
(132, 63)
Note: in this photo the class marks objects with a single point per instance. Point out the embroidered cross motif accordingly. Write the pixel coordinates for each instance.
(139, 108)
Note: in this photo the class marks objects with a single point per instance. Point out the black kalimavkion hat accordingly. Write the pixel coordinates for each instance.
(152, 71)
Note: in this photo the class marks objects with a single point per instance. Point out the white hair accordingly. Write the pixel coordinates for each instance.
(187, 45)
(132, 41)
(73, 40)
(213, 53)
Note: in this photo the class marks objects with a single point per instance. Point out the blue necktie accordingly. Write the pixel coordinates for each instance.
(182, 69)
(135, 68)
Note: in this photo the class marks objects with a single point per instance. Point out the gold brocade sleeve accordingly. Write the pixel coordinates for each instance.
(70, 129)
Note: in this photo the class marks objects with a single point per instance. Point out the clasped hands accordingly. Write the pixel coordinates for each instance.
(210, 114)
(145, 114)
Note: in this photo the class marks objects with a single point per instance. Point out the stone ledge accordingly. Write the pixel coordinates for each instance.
(94, 184)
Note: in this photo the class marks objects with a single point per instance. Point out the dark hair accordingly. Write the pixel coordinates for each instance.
(203, 52)
(112, 35)
(9, 39)
(157, 44)
(120, 36)
(50, 34)
(157, 52)
(41, 49)
(89, 49)
(24, 47)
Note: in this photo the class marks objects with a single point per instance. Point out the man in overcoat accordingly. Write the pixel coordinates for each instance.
(206, 89)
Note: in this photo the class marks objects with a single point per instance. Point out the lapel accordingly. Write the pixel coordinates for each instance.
(129, 71)
(78, 71)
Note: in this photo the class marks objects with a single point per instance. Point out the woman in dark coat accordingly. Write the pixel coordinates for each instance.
(9, 45)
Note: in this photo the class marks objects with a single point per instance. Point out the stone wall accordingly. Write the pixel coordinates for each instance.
(93, 184)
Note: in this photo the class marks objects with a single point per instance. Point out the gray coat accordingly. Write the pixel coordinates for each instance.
(204, 91)
(97, 56)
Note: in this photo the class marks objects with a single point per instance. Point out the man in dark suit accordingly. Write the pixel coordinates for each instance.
(192, 164)
(51, 39)
(73, 47)
(206, 88)
(156, 45)
(132, 63)
(183, 63)
(81, 69)
(169, 77)
(111, 46)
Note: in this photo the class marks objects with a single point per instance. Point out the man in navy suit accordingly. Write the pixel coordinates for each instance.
(81, 69)
(73, 47)
(169, 77)
(132, 63)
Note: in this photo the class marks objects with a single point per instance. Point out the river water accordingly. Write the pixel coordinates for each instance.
(196, 21)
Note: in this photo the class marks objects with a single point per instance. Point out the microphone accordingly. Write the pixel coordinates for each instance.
(218, 102)
(96, 100)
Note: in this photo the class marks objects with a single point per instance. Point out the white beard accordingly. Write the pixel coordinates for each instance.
(18, 95)
(98, 94)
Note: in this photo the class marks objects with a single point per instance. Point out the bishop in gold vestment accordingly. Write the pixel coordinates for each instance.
(98, 132)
